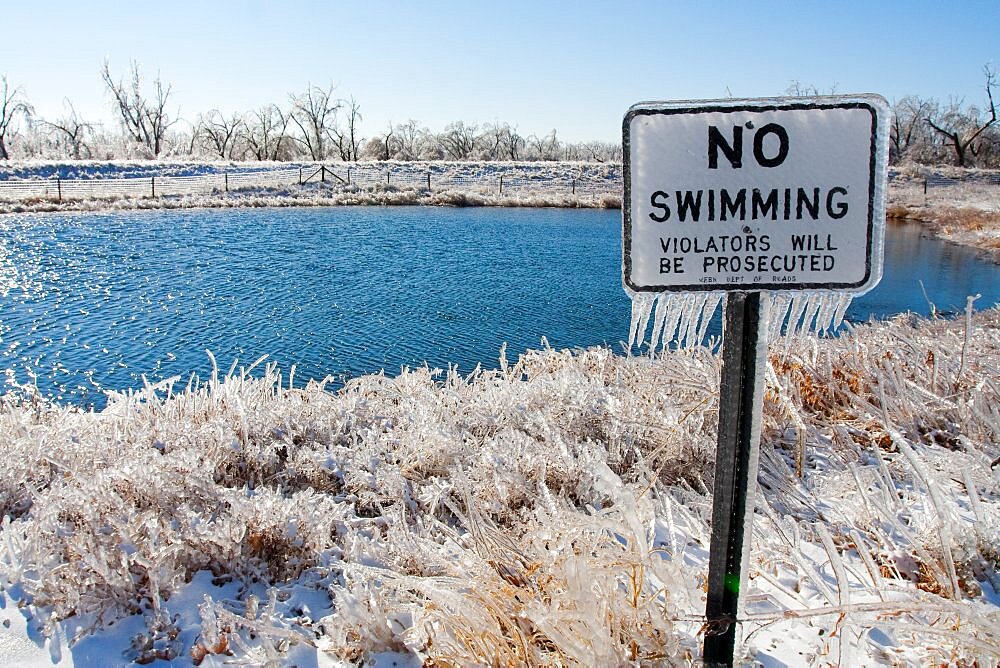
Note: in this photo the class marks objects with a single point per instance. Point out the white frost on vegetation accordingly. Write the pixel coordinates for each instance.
(96, 186)
(553, 511)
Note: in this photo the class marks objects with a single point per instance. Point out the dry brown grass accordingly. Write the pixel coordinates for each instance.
(899, 211)
(967, 218)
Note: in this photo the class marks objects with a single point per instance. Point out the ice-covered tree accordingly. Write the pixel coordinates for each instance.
(314, 113)
(459, 140)
(962, 129)
(264, 133)
(144, 118)
(599, 151)
(383, 146)
(499, 141)
(908, 133)
(544, 148)
(221, 135)
(413, 141)
(71, 132)
(347, 138)
(14, 107)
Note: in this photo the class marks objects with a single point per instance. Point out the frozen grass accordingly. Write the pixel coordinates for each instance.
(322, 196)
(97, 186)
(965, 225)
(551, 512)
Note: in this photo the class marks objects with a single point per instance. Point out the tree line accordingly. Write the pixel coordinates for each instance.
(314, 124)
(317, 125)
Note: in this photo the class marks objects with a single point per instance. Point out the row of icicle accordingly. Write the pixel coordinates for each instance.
(686, 316)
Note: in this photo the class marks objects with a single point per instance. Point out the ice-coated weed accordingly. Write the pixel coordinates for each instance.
(553, 511)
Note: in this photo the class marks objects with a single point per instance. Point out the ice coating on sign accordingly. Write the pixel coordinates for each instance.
(783, 196)
(684, 318)
(752, 195)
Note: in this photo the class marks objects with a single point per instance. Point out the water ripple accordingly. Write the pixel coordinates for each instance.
(90, 301)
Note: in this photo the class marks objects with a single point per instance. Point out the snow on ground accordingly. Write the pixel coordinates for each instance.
(100, 186)
(553, 511)
(962, 206)
(127, 169)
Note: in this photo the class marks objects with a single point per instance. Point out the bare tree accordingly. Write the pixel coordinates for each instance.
(500, 142)
(220, 134)
(988, 153)
(458, 140)
(411, 140)
(264, 132)
(545, 148)
(961, 129)
(571, 151)
(144, 119)
(798, 89)
(73, 130)
(908, 129)
(13, 106)
(599, 151)
(347, 140)
(314, 113)
(515, 144)
(383, 146)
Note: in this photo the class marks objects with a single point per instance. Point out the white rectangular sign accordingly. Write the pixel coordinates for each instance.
(766, 194)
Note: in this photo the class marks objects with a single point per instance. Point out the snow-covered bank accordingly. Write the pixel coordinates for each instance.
(98, 186)
(554, 511)
(960, 206)
(321, 196)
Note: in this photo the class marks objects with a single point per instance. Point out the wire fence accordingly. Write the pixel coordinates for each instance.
(340, 176)
(495, 180)
(930, 180)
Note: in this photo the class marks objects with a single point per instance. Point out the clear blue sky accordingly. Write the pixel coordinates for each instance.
(574, 66)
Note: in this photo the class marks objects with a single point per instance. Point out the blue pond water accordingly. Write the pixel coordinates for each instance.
(95, 301)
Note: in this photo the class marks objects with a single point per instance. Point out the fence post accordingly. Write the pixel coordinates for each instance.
(348, 176)
(925, 186)
(226, 174)
(387, 177)
(322, 173)
(152, 185)
(59, 186)
(300, 176)
(574, 185)
(428, 180)
(501, 184)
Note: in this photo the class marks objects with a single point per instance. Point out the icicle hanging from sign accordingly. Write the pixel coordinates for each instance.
(684, 317)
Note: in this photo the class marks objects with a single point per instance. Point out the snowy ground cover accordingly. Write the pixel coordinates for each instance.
(961, 206)
(129, 185)
(551, 512)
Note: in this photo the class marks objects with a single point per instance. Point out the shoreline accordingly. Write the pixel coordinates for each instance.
(262, 198)
(969, 227)
(960, 206)
(962, 211)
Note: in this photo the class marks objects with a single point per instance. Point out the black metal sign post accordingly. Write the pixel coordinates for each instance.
(746, 196)
(741, 396)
